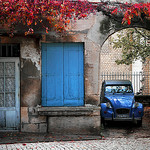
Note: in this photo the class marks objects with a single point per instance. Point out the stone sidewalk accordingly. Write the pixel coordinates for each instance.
(19, 137)
(115, 136)
(104, 144)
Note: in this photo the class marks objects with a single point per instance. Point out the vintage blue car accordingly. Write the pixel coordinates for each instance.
(118, 103)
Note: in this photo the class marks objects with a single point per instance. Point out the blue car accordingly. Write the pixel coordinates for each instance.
(118, 103)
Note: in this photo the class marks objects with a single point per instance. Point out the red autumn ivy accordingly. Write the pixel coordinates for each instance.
(57, 14)
(49, 14)
(130, 11)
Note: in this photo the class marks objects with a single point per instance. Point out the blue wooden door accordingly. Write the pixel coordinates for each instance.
(62, 74)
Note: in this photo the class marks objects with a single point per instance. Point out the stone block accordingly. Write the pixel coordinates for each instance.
(24, 115)
(43, 127)
(30, 128)
(33, 111)
(89, 125)
(37, 119)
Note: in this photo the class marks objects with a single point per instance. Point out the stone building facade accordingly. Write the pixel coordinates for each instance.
(28, 112)
(32, 116)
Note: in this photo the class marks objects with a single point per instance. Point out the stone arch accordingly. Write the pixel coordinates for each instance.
(109, 26)
(113, 27)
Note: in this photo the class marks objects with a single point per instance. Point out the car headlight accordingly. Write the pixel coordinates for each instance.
(135, 105)
(108, 105)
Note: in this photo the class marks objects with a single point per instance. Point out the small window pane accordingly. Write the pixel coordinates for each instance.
(9, 50)
(15, 49)
(3, 50)
(1, 100)
(10, 100)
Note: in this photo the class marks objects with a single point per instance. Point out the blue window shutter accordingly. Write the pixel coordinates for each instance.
(44, 75)
(55, 74)
(73, 74)
(62, 74)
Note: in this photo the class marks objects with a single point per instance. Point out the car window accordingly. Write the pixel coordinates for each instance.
(118, 89)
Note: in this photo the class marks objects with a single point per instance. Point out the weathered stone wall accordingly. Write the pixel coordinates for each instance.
(86, 31)
(30, 82)
(72, 120)
(31, 86)
(31, 121)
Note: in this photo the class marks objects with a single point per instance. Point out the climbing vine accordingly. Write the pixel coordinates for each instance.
(57, 14)
(131, 11)
(48, 14)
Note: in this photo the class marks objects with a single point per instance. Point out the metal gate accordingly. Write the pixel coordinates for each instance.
(140, 80)
(9, 93)
(62, 74)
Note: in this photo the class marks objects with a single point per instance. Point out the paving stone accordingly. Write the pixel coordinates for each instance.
(107, 144)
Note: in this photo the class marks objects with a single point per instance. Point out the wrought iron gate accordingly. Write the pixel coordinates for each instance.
(140, 80)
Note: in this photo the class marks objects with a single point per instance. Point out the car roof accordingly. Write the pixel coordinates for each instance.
(116, 82)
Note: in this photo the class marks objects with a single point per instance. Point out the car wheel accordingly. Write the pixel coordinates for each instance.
(139, 123)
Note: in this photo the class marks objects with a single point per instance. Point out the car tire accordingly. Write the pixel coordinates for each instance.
(139, 123)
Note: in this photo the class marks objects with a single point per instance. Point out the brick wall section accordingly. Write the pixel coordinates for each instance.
(146, 71)
(109, 56)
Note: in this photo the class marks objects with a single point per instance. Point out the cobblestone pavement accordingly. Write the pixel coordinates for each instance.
(107, 144)
(114, 136)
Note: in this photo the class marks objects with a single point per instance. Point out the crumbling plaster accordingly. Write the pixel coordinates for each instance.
(30, 51)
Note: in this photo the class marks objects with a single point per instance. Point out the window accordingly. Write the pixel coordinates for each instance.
(9, 50)
(119, 89)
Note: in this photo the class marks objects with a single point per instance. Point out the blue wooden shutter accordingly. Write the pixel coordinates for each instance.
(73, 74)
(44, 75)
(62, 74)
